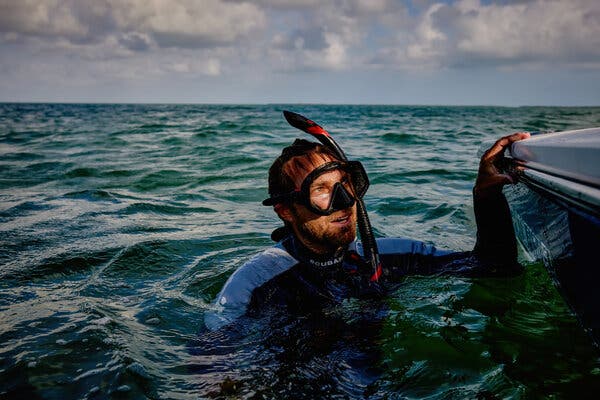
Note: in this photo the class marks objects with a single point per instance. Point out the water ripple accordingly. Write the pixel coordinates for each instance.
(120, 223)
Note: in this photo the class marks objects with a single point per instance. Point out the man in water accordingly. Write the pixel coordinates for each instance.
(317, 260)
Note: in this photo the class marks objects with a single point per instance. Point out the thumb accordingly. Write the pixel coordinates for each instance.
(492, 184)
(505, 179)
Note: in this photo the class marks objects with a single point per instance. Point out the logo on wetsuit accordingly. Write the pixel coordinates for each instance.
(327, 263)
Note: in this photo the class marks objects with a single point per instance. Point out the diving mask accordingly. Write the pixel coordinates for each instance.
(330, 187)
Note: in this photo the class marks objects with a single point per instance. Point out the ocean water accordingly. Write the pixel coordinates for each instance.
(120, 223)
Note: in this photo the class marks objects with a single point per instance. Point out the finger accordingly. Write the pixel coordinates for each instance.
(506, 141)
(493, 183)
(507, 179)
(498, 148)
(499, 180)
(515, 137)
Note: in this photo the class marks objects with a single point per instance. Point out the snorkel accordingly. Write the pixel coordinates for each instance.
(371, 254)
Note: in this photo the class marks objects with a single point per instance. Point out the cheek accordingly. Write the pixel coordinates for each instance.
(317, 224)
(301, 217)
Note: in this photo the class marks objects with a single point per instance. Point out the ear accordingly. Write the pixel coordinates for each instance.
(284, 212)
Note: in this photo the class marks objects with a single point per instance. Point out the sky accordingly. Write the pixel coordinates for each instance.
(465, 52)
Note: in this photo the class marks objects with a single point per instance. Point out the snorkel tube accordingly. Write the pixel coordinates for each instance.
(371, 254)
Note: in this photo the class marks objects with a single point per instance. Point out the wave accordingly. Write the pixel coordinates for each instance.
(165, 209)
(405, 138)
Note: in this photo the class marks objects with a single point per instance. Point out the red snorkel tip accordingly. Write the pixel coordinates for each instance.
(317, 130)
(304, 124)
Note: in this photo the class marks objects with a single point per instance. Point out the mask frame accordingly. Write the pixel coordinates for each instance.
(340, 199)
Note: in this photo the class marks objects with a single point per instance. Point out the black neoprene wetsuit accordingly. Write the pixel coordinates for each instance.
(291, 276)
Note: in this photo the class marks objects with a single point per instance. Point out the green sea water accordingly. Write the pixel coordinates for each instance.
(120, 223)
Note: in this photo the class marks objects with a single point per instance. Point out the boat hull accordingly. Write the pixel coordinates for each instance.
(556, 214)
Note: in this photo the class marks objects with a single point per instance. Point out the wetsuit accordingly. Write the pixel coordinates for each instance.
(289, 275)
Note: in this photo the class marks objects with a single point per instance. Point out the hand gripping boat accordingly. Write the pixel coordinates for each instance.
(556, 213)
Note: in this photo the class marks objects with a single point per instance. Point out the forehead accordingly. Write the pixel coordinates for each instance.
(297, 168)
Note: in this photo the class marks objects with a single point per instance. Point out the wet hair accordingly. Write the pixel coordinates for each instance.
(300, 157)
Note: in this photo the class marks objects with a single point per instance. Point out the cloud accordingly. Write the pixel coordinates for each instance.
(309, 49)
(188, 23)
(166, 23)
(210, 66)
(302, 38)
(51, 19)
(332, 35)
(467, 33)
(540, 30)
(355, 34)
(104, 40)
(134, 39)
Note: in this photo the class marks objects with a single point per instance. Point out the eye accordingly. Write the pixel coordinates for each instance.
(319, 190)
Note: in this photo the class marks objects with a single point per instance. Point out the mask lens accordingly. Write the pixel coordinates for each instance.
(324, 187)
(336, 186)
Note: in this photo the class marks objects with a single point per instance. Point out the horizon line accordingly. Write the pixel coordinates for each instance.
(290, 103)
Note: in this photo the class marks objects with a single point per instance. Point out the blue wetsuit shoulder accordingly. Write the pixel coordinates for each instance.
(233, 300)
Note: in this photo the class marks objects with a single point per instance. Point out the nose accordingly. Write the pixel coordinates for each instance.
(341, 199)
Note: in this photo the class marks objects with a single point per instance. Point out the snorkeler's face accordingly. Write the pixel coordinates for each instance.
(322, 233)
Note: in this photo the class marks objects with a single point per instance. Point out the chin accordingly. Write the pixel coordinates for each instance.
(348, 235)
